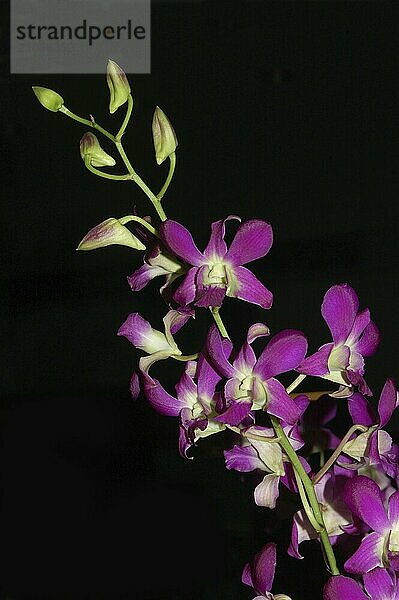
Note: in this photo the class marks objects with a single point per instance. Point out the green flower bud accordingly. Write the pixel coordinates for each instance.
(118, 84)
(90, 148)
(165, 140)
(107, 233)
(47, 98)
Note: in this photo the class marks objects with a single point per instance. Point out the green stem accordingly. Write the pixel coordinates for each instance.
(143, 222)
(137, 179)
(218, 320)
(91, 124)
(121, 131)
(338, 451)
(172, 165)
(307, 483)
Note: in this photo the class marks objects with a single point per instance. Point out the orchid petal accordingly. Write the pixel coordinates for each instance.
(339, 309)
(134, 385)
(207, 379)
(368, 343)
(139, 279)
(364, 499)
(185, 293)
(216, 351)
(378, 584)
(339, 587)
(393, 509)
(179, 240)
(243, 459)
(300, 533)
(253, 240)
(280, 404)
(160, 399)
(176, 319)
(387, 402)
(256, 331)
(140, 333)
(283, 353)
(360, 323)
(360, 410)
(267, 491)
(263, 567)
(245, 359)
(316, 364)
(209, 295)
(216, 247)
(247, 287)
(235, 413)
(368, 555)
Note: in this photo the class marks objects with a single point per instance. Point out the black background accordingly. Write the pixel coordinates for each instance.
(285, 111)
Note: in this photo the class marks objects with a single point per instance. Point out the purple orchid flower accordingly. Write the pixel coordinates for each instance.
(379, 584)
(354, 335)
(365, 499)
(259, 573)
(251, 381)
(193, 404)
(376, 444)
(156, 344)
(219, 271)
(262, 454)
(336, 515)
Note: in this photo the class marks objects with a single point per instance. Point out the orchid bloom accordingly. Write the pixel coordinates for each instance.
(379, 584)
(251, 381)
(219, 271)
(375, 444)
(156, 262)
(193, 403)
(259, 574)
(336, 515)
(156, 344)
(354, 335)
(366, 501)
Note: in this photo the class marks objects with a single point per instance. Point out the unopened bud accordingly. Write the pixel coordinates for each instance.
(48, 98)
(90, 149)
(165, 140)
(118, 84)
(107, 233)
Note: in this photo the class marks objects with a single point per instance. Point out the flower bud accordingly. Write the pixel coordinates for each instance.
(165, 140)
(118, 84)
(107, 233)
(90, 148)
(47, 98)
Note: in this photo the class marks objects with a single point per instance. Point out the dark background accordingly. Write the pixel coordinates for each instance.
(285, 111)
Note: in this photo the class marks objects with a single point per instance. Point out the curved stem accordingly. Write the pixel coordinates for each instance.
(137, 179)
(307, 483)
(90, 167)
(218, 320)
(91, 124)
(126, 119)
(172, 165)
(143, 222)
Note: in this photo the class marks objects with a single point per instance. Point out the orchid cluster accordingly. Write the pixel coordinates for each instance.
(348, 487)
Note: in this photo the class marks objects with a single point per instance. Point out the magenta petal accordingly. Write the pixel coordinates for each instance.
(283, 353)
(235, 413)
(378, 584)
(387, 402)
(179, 240)
(368, 343)
(139, 279)
(216, 352)
(280, 404)
(217, 246)
(246, 575)
(361, 410)
(210, 295)
(368, 555)
(339, 309)
(159, 398)
(316, 364)
(263, 567)
(134, 386)
(364, 499)
(245, 359)
(174, 320)
(340, 587)
(243, 459)
(250, 289)
(185, 293)
(207, 378)
(393, 508)
(360, 323)
(253, 240)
